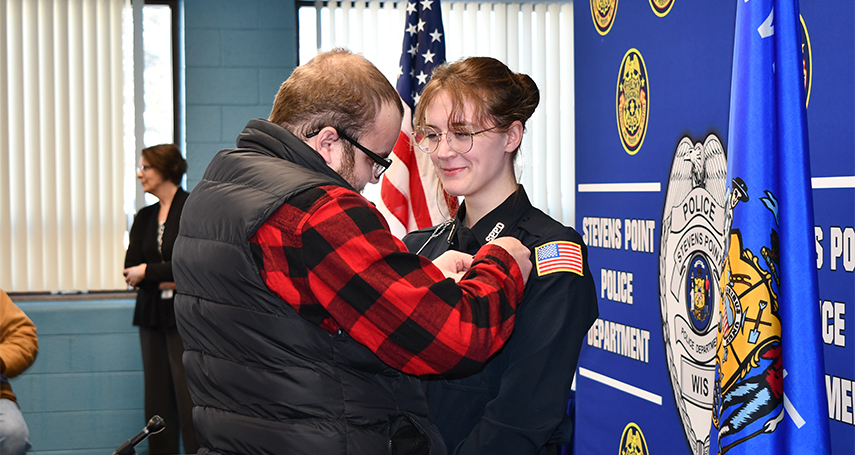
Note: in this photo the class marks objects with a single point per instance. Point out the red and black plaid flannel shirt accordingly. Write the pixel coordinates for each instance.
(329, 254)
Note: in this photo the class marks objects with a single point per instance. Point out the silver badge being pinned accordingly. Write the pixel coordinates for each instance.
(495, 232)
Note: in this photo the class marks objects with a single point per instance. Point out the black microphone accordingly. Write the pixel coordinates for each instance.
(155, 425)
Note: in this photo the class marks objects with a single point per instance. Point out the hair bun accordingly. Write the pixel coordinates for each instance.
(529, 94)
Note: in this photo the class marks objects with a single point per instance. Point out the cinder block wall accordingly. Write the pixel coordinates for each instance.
(237, 55)
(83, 394)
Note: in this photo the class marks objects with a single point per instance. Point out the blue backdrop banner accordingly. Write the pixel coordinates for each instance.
(715, 163)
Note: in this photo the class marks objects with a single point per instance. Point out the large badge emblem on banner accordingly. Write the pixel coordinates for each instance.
(690, 258)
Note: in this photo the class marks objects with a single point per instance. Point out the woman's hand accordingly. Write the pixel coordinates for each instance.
(134, 275)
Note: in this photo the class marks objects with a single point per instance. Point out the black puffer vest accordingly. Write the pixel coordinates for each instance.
(263, 379)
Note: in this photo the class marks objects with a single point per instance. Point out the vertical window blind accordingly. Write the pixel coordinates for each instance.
(61, 145)
(532, 38)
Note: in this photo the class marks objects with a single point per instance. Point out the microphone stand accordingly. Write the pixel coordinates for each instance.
(155, 425)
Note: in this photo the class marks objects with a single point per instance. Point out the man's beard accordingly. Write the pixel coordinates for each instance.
(348, 163)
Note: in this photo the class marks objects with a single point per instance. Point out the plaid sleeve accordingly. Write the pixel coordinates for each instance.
(331, 253)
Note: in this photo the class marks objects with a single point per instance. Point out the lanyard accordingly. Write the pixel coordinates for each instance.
(437, 232)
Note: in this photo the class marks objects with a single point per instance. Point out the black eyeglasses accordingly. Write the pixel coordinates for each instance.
(380, 163)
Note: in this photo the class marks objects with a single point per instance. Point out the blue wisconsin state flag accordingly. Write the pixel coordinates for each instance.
(769, 394)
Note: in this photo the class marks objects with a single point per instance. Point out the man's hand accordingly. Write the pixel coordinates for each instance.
(453, 264)
(519, 251)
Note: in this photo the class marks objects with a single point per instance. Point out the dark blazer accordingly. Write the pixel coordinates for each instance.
(151, 310)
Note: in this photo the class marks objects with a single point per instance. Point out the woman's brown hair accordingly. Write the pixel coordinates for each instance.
(498, 95)
(166, 159)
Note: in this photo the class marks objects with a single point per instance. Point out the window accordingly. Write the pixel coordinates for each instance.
(158, 93)
(158, 119)
(61, 136)
(67, 136)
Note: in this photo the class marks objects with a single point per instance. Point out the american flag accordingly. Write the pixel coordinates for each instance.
(558, 257)
(410, 197)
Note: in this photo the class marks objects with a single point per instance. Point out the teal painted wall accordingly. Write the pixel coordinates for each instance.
(237, 56)
(83, 394)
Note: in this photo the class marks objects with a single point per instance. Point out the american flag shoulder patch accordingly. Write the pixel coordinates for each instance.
(560, 256)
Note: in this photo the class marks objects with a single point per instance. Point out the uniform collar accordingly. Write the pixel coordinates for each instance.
(497, 223)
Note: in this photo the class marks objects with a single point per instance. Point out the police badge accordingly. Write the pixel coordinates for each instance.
(603, 13)
(632, 441)
(807, 60)
(690, 258)
(661, 7)
(632, 101)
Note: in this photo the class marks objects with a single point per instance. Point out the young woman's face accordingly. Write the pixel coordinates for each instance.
(480, 169)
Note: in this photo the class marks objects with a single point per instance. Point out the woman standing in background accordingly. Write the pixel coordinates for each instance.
(470, 119)
(148, 266)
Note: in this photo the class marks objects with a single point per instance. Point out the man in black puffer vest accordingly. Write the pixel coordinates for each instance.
(299, 310)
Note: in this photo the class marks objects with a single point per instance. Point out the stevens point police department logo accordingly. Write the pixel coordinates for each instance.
(632, 101)
(807, 60)
(690, 258)
(632, 441)
(661, 7)
(603, 13)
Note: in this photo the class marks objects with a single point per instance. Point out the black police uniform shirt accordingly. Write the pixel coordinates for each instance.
(517, 404)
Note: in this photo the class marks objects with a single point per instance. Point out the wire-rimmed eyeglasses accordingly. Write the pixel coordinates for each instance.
(380, 163)
(427, 139)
